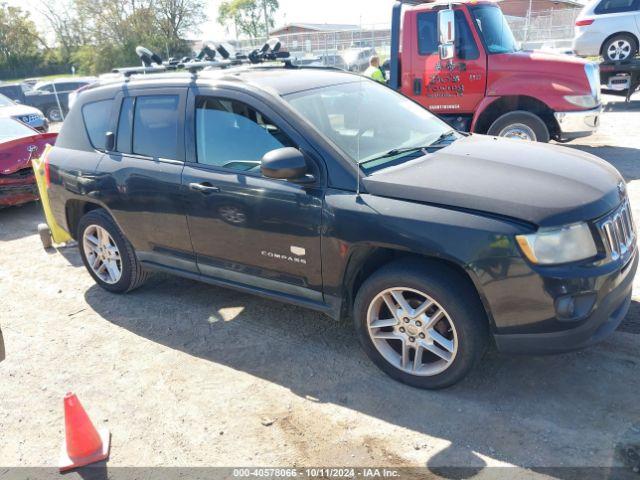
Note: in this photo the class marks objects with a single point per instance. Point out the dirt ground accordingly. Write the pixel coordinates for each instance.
(186, 374)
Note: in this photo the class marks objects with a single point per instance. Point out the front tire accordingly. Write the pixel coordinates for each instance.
(107, 254)
(520, 125)
(619, 48)
(421, 323)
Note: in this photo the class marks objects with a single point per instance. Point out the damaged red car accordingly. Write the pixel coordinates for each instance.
(19, 144)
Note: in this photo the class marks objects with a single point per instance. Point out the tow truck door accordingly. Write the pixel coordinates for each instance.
(453, 86)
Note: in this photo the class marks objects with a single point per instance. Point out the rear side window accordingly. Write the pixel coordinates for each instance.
(155, 126)
(96, 117)
(466, 48)
(616, 6)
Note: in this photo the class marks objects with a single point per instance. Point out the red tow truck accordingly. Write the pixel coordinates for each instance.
(461, 61)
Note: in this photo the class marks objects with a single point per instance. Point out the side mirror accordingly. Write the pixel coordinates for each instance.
(284, 163)
(446, 34)
(109, 141)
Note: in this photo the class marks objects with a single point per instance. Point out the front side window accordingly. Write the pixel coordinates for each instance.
(96, 117)
(231, 134)
(616, 6)
(466, 48)
(494, 29)
(155, 126)
(368, 121)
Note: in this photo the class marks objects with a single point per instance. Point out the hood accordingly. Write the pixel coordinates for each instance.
(18, 110)
(545, 185)
(538, 60)
(17, 154)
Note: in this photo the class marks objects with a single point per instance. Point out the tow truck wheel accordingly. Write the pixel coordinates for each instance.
(520, 125)
(620, 47)
(422, 324)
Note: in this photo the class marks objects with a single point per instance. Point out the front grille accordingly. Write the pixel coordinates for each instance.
(19, 175)
(618, 231)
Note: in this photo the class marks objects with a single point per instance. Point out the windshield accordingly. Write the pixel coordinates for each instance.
(494, 29)
(4, 101)
(11, 129)
(369, 122)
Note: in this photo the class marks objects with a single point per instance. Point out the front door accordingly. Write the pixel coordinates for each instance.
(447, 86)
(245, 228)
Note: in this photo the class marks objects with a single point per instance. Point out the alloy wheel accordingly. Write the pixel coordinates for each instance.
(518, 131)
(103, 255)
(619, 50)
(412, 331)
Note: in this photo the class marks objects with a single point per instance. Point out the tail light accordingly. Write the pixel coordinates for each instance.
(45, 160)
(584, 23)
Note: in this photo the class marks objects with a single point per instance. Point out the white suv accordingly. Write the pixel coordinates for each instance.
(610, 28)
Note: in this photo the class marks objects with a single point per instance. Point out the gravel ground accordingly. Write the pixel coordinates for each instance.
(186, 374)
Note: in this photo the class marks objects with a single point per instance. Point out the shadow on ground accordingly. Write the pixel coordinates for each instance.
(525, 411)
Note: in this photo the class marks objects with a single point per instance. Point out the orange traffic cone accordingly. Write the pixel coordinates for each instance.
(84, 445)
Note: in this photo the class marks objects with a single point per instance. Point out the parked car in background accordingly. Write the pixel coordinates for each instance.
(26, 114)
(357, 59)
(610, 28)
(19, 144)
(42, 95)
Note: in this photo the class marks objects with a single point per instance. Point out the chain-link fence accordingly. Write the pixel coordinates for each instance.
(352, 48)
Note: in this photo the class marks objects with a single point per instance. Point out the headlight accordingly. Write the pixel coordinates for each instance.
(549, 246)
(592, 71)
(585, 101)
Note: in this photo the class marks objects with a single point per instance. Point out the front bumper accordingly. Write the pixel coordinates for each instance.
(578, 124)
(18, 188)
(609, 311)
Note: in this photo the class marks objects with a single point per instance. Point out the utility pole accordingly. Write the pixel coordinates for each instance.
(266, 18)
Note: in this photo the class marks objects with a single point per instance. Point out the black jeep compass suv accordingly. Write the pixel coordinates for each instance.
(333, 192)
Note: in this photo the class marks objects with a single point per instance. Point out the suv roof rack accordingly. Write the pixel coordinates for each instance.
(152, 63)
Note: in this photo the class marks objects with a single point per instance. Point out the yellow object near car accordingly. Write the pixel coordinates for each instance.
(51, 230)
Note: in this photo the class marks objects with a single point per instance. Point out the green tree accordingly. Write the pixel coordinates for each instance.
(20, 43)
(254, 18)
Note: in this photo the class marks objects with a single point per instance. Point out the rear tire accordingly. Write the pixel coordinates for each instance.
(520, 125)
(108, 256)
(620, 47)
(54, 114)
(438, 354)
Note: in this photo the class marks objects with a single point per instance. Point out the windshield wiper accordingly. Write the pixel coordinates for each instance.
(423, 148)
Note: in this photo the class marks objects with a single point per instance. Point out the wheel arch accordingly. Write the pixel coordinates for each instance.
(365, 261)
(75, 210)
(506, 104)
(631, 34)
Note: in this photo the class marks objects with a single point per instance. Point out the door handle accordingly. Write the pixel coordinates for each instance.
(205, 188)
(417, 86)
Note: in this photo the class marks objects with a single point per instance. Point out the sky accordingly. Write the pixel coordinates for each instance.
(356, 12)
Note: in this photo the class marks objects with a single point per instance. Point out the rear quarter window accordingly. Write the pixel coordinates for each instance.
(616, 6)
(96, 116)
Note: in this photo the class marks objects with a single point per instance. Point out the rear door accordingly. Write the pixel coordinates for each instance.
(246, 228)
(451, 86)
(142, 177)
